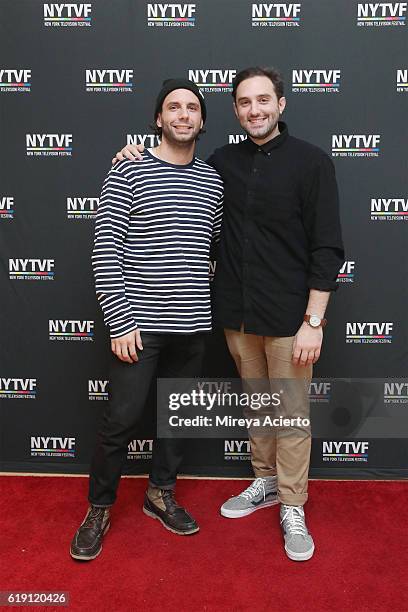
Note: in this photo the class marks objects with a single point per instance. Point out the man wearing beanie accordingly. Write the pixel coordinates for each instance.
(154, 227)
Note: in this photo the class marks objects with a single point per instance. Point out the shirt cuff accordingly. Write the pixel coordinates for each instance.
(322, 284)
(121, 327)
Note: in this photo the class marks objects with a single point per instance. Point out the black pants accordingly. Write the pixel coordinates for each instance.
(163, 356)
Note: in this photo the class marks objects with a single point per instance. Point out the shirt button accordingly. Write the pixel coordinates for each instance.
(255, 170)
(259, 150)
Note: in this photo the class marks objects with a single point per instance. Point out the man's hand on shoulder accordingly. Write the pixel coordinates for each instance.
(131, 152)
(124, 347)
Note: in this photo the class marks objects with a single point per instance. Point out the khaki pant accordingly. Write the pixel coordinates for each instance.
(286, 454)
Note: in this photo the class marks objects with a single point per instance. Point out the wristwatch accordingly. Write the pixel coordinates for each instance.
(314, 320)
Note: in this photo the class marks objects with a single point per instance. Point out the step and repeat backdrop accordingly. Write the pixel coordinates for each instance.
(77, 82)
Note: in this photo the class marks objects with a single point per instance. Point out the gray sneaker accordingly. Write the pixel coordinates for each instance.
(299, 544)
(263, 492)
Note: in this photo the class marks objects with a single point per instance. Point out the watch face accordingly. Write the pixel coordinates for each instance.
(314, 321)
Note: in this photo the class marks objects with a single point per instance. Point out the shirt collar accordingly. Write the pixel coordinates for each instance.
(271, 144)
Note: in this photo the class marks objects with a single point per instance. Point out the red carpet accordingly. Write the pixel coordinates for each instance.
(360, 563)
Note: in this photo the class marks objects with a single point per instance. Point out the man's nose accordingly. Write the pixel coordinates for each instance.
(183, 112)
(254, 110)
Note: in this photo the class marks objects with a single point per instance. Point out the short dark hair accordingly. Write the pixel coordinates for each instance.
(272, 73)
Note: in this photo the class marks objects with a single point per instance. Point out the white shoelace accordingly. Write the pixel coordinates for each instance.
(294, 519)
(254, 488)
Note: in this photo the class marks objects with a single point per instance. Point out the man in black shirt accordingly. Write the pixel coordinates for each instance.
(279, 256)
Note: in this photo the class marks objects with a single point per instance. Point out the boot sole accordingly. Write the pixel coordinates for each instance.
(90, 557)
(153, 515)
(240, 513)
(300, 556)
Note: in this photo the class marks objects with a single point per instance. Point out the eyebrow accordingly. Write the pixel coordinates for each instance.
(265, 95)
(188, 103)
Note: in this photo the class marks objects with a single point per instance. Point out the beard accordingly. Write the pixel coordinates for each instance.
(179, 139)
(262, 131)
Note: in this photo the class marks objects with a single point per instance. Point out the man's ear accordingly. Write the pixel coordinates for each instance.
(159, 121)
(235, 109)
(282, 104)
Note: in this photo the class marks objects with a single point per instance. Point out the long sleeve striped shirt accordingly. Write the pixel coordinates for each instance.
(154, 228)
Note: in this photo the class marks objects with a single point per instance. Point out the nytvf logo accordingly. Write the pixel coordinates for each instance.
(402, 80)
(98, 389)
(236, 138)
(6, 207)
(12, 79)
(276, 14)
(316, 81)
(212, 268)
(171, 15)
(237, 450)
(369, 333)
(356, 145)
(82, 208)
(213, 80)
(355, 451)
(114, 80)
(389, 209)
(52, 446)
(70, 329)
(319, 392)
(140, 449)
(147, 140)
(67, 14)
(44, 145)
(31, 269)
(346, 273)
(18, 388)
(381, 13)
(396, 392)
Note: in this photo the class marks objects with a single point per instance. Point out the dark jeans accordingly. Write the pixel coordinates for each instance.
(163, 356)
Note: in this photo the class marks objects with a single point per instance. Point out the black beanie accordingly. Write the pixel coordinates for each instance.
(170, 85)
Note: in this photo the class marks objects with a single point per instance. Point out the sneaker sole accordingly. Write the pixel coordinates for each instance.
(152, 515)
(300, 556)
(240, 513)
(90, 557)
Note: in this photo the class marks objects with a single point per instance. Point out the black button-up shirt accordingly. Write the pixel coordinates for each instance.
(281, 233)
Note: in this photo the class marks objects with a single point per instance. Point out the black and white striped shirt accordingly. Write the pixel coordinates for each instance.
(154, 227)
